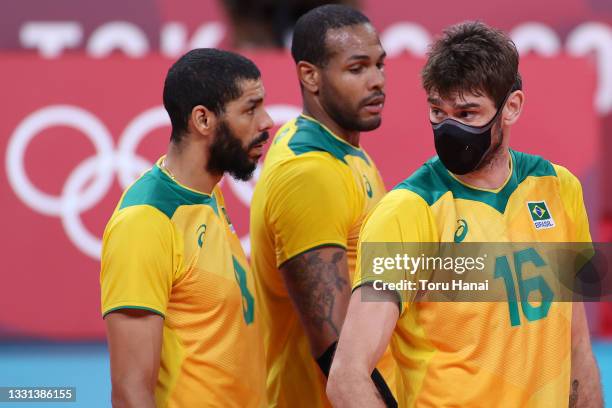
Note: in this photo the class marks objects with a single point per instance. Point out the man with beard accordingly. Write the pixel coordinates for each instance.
(316, 186)
(177, 293)
(530, 347)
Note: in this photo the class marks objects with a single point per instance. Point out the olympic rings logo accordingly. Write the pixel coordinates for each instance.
(92, 179)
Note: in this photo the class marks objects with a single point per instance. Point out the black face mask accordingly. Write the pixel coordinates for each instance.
(460, 147)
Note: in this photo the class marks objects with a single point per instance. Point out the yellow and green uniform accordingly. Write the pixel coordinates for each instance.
(315, 190)
(482, 354)
(172, 250)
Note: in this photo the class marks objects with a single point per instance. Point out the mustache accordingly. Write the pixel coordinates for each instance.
(372, 98)
(262, 138)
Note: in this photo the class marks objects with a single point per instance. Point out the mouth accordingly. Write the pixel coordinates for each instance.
(258, 147)
(256, 150)
(260, 142)
(255, 155)
(375, 105)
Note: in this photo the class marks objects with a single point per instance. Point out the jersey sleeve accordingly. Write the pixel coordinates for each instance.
(401, 223)
(137, 268)
(571, 195)
(310, 204)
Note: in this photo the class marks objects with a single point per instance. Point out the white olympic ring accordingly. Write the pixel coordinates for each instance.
(77, 196)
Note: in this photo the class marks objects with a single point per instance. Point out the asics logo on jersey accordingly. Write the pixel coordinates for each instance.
(461, 231)
(540, 214)
(368, 186)
(201, 230)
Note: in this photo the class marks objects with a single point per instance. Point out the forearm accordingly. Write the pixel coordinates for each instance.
(317, 282)
(585, 385)
(132, 396)
(364, 338)
(352, 387)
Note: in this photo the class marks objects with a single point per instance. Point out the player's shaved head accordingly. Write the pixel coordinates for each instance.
(310, 33)
(472, 58)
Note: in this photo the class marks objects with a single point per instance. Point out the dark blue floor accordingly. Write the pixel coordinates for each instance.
(85, 366)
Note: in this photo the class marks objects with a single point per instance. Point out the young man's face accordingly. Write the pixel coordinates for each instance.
(241, 133)
(471, 109)
(352, 83)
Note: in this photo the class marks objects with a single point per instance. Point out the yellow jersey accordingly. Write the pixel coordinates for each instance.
(172, 250)
(482, 354)
(315, 190)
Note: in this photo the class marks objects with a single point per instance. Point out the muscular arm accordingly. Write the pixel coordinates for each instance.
(367, 330)
(134, 342)
(318, 284)
(585, 385)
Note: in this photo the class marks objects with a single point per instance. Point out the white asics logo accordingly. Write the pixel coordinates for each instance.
(92, 179)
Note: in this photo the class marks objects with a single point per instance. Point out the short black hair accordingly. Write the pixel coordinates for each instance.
(204, 76)
(472, 57)
(311, 30)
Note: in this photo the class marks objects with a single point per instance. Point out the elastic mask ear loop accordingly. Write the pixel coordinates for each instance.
(516, 85)
(497, 114)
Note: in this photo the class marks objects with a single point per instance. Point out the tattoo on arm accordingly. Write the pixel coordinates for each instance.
(573, 398)
(317, 280)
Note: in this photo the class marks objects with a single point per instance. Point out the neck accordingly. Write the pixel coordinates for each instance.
(493, 175)
(315, 110)
(186, 163)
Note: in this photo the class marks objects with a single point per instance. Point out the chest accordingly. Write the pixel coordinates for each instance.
(215, 276)
(533, 212)
(520, 237)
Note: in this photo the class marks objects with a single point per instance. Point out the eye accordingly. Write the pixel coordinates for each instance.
(436, 112)
(355, 69)
(251, 111)
(466, 114)
(380, 65)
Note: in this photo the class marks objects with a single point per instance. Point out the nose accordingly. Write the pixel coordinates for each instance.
(377, 80)
(266, 123)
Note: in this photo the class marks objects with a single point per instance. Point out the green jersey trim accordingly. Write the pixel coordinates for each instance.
(432, 180)
(158, 190)
(148, 309)
(311, 136)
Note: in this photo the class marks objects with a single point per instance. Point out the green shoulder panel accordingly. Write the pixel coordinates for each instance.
(158, 190)
(528, 165)
(431, 181)
(312, 137)
(426, 182)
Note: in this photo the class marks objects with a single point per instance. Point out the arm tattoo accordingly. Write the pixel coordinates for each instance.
(317, 280)
(573, 398)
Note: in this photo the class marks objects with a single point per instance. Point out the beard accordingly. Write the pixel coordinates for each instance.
(345, 116)
(227, 155)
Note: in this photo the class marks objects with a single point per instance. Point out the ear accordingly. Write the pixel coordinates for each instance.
(203, 120)
(513, 108)
(309, 76)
